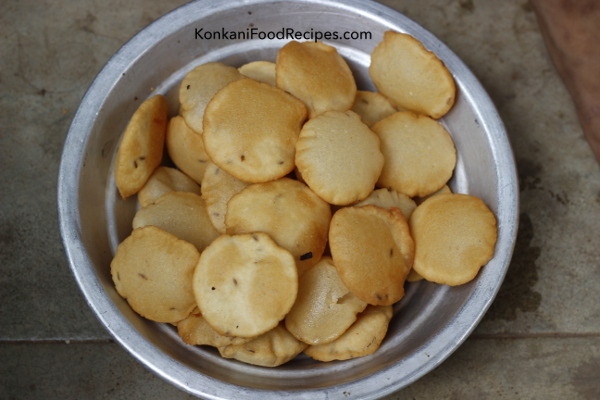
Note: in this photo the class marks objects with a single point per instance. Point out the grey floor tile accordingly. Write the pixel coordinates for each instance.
(483, 368)
(77, 371)
(550, 286)
(42, 79)
(532, 368)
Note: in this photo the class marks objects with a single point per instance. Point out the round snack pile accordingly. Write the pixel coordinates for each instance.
(290, 209)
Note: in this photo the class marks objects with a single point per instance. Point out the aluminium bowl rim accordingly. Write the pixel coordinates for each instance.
(99, 301)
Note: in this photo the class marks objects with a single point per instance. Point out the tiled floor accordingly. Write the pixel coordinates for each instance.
(539, 340)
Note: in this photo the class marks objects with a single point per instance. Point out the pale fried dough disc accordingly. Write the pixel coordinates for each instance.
(455, 235)
(316, 74)
(388, 198)
(419, 153)
(153, 270)
(271, 349)
(182, 214)
(163, 180)
(262, 71)
(400, 231)
(194, 330)
(141, 147)
(444, 189)
(287, 210)
(251, 128)
(325, 307)
(217, 188)
(411, 76)
(402, 235)
(372, 106)
(186, 148)
(245, 284)
(363, 338)
(370, 247)
(199, 86)
(339, 157)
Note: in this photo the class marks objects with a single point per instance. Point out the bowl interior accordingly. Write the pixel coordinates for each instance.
(430, 322)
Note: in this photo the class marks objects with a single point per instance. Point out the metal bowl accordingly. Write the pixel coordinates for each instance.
(430, 322)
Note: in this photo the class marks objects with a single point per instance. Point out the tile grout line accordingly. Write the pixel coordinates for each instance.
(540, 335)
(55, 341)
(480, 336)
